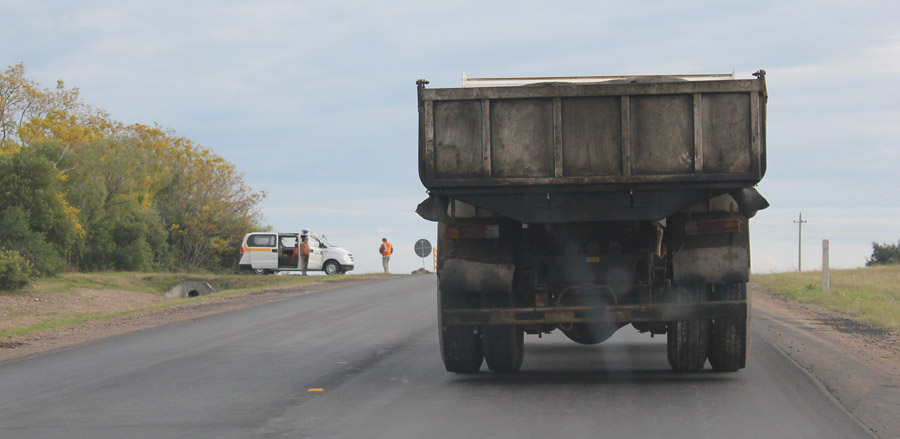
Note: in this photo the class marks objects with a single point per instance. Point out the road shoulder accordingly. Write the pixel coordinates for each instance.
(858, 364)
(36, 343)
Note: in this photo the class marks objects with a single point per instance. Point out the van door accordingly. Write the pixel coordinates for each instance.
(263, 249)
(287, 243)
(315, 253)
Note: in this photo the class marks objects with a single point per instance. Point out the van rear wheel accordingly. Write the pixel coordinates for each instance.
(261, 271)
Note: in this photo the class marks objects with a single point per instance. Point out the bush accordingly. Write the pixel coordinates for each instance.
(884, 254)
(15, 271)
(42, 256)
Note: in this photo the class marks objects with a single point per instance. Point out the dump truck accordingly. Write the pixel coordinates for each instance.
(586, 204)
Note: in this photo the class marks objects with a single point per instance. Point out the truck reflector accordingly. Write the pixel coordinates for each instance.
(477, 231)
(712, 227)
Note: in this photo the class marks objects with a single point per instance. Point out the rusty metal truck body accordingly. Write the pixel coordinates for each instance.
(587, 206)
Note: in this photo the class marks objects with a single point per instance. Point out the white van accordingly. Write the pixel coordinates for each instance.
(269, 252)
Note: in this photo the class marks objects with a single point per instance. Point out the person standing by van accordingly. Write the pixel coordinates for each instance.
(386, 250)
(304, 254)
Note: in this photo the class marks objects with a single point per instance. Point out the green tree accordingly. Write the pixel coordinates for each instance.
(207, 207)
(29, 113)
(20, 100)
(127, 238)
(109, 184)
(884, 254)
(35, 220)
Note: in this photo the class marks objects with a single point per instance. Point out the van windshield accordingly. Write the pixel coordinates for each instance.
(325, 241)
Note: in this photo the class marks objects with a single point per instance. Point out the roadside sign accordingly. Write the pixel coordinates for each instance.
(423, 248)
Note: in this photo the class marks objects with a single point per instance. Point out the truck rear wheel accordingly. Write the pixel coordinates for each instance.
(461, 348)
(730, 338)
(688, 340)
(504, 347)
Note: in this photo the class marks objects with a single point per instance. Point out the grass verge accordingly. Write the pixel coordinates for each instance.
(159, 283)
(148, 283)
(870, 294)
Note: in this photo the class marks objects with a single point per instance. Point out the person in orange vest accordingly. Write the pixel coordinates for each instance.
(386, 249)
(295, 259)
(304, 254)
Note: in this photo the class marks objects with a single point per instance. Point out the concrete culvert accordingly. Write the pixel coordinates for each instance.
(190, 288)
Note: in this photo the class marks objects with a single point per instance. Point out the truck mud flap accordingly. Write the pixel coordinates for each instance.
(715, 265)
(461, 276)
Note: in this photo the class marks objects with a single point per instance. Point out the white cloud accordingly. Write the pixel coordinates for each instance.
(880, 60)
(300, 211)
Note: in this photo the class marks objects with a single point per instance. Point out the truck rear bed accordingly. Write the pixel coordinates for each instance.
(594, 135)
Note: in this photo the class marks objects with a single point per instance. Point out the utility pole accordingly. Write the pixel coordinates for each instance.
(800, 241)
(826, 270)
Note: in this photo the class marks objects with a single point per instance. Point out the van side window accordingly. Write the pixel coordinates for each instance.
(261, 241)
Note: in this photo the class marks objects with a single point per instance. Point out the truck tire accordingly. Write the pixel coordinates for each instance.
(688, 340)
(461, 348)
(261, 271)
(504, 347)
(730, 338)
(331, 267)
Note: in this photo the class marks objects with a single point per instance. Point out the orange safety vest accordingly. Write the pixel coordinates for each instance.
(386, 248)
(304, 248)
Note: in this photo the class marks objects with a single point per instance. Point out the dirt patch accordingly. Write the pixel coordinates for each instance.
(23, 310)
(859, 364)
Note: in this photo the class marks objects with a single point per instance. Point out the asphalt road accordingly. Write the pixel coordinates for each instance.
(372, 349)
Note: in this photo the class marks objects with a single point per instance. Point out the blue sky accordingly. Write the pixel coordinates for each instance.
(315, 102)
